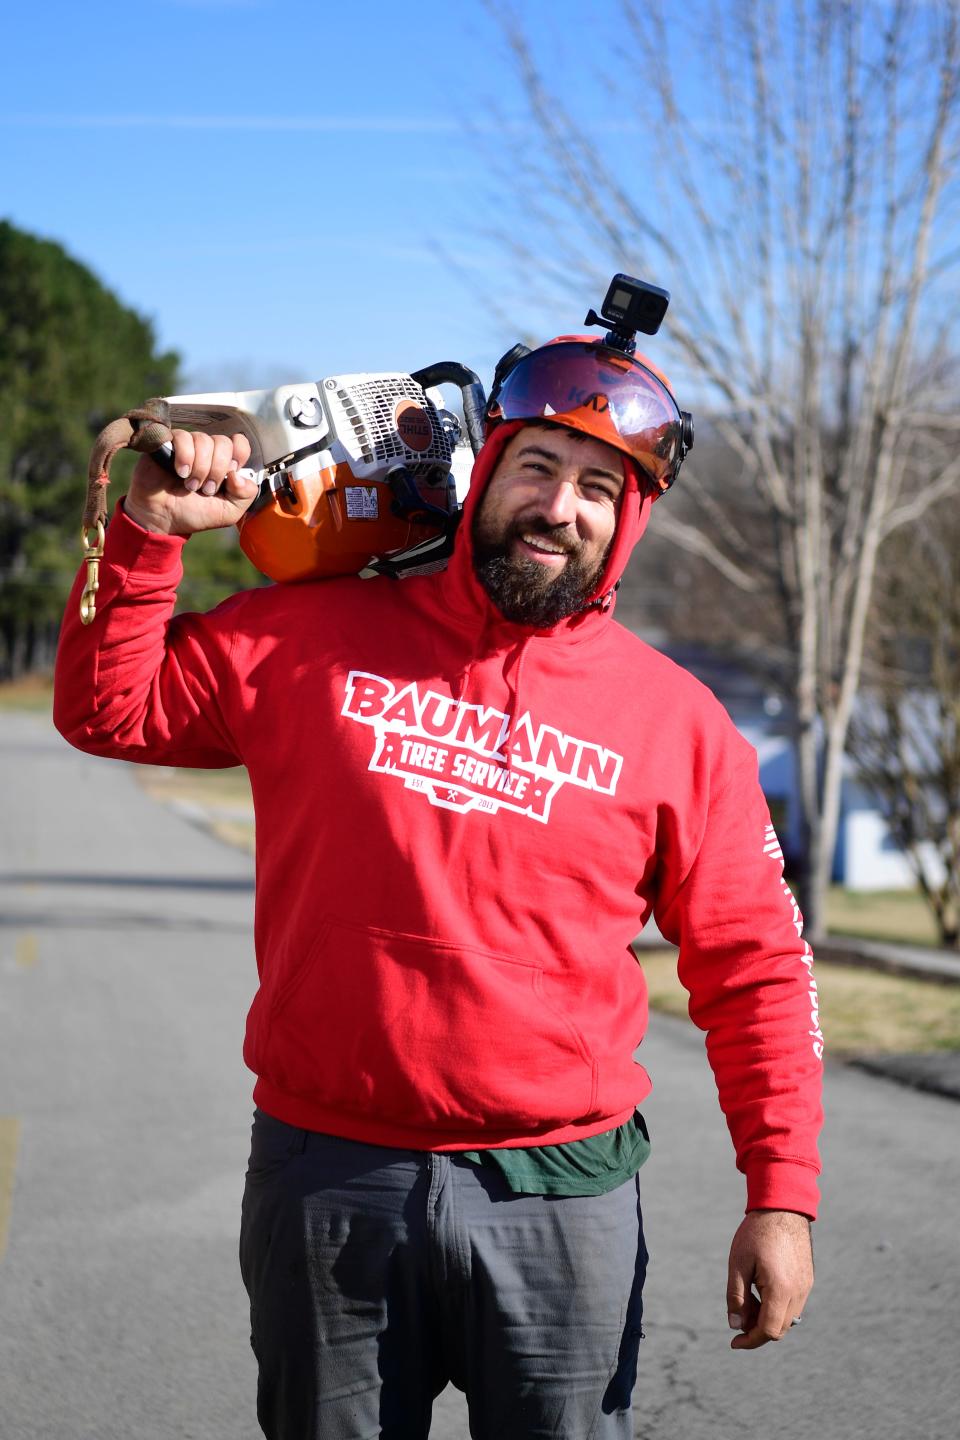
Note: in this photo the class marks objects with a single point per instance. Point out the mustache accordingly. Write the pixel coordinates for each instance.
(537, 525)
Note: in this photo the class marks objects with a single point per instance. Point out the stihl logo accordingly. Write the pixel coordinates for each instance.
(471, 757)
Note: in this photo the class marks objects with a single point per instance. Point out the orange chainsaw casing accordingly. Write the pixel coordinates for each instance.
(308, 534)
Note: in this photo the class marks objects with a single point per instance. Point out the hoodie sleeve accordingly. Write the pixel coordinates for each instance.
(749, 974)
(137, 684)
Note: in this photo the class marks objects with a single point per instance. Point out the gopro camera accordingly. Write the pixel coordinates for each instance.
(630, 305)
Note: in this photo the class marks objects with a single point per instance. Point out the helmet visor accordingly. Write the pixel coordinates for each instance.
(600, 392)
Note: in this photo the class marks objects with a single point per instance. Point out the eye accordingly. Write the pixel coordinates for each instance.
(600, 490)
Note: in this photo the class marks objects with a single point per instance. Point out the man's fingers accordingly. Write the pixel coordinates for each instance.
(752, 1340)
(216, 464)
(776, 1312)
(208, 493)
(771, 1322)
(200, 464)
(241, 449)
(743, 1308)
(239, 485)
(771, 1256)
(761, 1333)
(182, 453)
(792, 1313)
(742, 1304)
(744, 1316)
(203, 462)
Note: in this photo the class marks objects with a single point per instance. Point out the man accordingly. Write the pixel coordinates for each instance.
(472, 789)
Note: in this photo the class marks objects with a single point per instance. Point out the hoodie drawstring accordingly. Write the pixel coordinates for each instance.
(516, 709)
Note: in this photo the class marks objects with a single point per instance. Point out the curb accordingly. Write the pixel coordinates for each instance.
(934, 1073)
(938, 967)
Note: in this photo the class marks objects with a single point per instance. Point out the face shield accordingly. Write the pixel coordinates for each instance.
(600, 392)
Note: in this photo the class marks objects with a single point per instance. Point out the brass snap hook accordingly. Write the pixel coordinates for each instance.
(93, 554)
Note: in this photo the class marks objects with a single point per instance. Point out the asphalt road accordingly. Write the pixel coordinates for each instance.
(126, 968)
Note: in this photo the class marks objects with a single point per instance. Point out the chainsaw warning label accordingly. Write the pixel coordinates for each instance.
(362, 503)
(472, 757)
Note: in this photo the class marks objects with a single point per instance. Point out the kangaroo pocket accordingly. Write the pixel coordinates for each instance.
(420, 1032)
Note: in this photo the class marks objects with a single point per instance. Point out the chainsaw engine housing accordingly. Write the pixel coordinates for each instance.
(355, 471)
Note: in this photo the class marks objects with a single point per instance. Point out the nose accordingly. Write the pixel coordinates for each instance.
(559, 501)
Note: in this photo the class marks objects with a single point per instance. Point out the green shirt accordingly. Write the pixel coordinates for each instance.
(580, 1167)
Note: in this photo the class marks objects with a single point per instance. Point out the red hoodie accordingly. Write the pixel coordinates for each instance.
(462, 823)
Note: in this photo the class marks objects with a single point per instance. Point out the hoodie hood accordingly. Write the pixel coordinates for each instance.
(464, 590)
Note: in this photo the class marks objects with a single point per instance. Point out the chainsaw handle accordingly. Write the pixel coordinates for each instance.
(474, 406)
(163, 456)
(450, 372)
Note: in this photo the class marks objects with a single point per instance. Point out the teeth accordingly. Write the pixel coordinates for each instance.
(538, 543)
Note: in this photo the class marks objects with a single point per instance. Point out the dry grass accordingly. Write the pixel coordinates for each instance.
(206, 788)
(860, 1010)
(30, 692)
(224, 794)
(239, 833)
(891, 915)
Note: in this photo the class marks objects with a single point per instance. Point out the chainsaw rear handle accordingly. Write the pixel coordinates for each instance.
(444, 372)
(163, 456)
(450, 372)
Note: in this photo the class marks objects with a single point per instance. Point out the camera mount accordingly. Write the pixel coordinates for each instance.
(630, 305)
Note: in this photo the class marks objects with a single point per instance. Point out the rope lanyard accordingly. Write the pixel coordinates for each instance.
(144, 429)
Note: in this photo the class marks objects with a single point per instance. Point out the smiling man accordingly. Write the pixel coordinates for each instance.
(543, 533)
(473, 789)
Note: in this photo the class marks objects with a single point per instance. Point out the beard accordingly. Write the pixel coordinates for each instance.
(524, 591)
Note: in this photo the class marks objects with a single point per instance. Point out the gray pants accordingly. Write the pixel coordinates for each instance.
(376, 1276)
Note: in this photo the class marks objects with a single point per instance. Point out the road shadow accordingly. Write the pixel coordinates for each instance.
(113, 920)
(158, 914)
(235, 884)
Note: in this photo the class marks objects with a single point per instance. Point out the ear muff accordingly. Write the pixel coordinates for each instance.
(505, 364)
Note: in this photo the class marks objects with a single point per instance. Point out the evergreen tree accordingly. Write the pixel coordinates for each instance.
(72, 357)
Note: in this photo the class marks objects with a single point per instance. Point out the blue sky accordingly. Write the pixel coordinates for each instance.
(289, 189)
(274, 183)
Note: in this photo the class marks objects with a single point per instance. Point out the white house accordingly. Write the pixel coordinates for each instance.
(866, 856)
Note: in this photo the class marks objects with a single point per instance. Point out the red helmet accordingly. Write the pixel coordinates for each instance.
(586, 385)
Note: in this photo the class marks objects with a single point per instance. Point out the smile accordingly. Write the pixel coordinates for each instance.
(542, 546)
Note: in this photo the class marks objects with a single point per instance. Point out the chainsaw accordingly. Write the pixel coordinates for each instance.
(356, 474)
(366, 473)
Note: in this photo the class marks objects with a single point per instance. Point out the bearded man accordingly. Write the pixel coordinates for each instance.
(472, 790)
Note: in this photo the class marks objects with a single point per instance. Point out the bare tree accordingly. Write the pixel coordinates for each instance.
(789, 172)
(905, 733)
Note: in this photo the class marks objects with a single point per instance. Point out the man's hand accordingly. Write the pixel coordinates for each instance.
(209, 493)
(771, 1254)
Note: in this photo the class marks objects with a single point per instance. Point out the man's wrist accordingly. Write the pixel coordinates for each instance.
(779, 1210)
(144, 518)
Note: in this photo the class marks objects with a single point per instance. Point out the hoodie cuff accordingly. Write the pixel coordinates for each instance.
(128, 545)
(783, 1185)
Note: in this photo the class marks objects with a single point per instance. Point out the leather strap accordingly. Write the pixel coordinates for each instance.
(145, 429)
